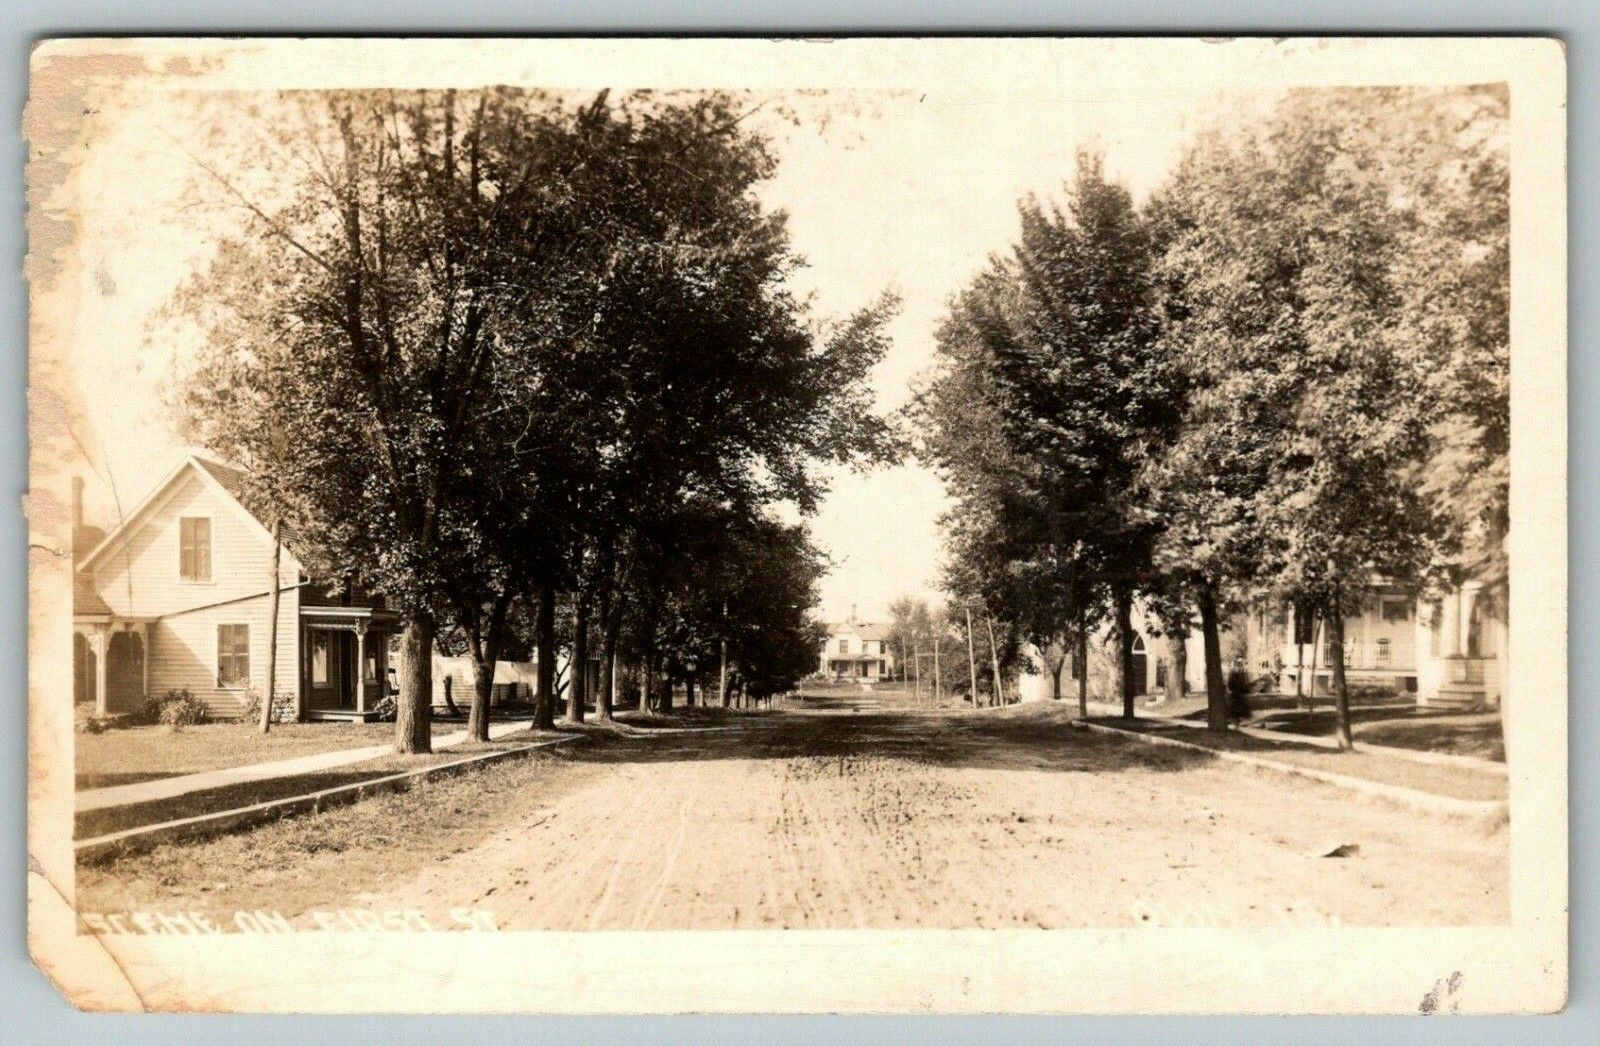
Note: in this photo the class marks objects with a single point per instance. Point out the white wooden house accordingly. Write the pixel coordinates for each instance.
(177, 597)
(1449, 652)
(856, 650)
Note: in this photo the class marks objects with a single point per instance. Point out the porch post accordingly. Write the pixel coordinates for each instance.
(361, 666)
(144, 643)
(101, 647)
(1450, 624)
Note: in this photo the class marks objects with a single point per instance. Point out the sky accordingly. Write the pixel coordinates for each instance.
(908, 184)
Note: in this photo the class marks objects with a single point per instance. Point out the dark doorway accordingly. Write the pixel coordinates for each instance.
(330, 669)
(83, 669)
(124, 672)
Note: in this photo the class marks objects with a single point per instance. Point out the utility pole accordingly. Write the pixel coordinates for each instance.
(272, 632)
(994, 660)
(916, 669)
(722, 671)
(972, 664)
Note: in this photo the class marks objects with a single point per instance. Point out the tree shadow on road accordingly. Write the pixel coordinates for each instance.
(956, 740)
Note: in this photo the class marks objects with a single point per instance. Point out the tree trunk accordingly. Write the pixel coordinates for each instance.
(722, 674)
(1299, 655)
(1211, 636)
(972, 663)
(1178, 655)
(1055, 678)
(688, 689)
(664, 698)
(1122, 674)
(1083, 663)
(1341, 691)
(544, 709)
(605, 701)
(482, 692)
(994, 662)
(578, 693)
(272, 632)
(485, 655)
(413, 722)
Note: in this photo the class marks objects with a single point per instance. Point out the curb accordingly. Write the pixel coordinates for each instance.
(1427, 802)
(135, 840)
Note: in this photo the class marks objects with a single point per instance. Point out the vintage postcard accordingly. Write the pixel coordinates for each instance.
(849, 525)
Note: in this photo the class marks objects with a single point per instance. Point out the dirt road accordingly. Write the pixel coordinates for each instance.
(845, 817)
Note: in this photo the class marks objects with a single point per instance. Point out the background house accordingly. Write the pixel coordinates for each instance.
(1449, 652)
(856, 650)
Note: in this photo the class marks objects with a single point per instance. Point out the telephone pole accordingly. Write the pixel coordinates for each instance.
(972, 664)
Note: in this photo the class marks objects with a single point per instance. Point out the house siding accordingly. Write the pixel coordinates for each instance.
(140, 579)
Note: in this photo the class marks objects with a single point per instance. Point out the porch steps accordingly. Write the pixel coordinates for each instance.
(340, 715)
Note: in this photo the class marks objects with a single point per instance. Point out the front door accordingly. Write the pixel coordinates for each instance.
(1141, 665)
(124, 672)
(330, 668)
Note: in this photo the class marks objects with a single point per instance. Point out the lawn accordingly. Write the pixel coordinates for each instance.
(147, 753)
(1475, 735)
(1453, 781)
(1453, 733)
(305, 862)
(92, 823)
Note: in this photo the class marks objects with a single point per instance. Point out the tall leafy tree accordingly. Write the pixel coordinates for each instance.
(1086, 393)
(1296, 473)
(358, 323)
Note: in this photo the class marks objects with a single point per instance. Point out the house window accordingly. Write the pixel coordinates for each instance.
(1396, 611)
(844, 646)
(194, 548)
(1383, 651)
(233, 655)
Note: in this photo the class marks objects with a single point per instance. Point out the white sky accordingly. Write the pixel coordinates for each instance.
(911, 192)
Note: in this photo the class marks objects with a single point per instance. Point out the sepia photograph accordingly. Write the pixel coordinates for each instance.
(888, 524)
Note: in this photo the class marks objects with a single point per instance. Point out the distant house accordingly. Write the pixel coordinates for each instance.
(856, 650)
(176, 597)
(1448, 652)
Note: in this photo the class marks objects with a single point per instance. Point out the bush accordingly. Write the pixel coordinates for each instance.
(283, 710)
(85, 721)
(386, 710)
(175, 708)
(1239, 694)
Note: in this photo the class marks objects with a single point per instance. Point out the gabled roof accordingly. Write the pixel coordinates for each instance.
(232, 483)
(866, 630)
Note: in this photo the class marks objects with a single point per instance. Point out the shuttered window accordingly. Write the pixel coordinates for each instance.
(194, 548)
(233, 655)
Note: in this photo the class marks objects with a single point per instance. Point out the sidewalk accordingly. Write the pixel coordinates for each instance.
(171, 787)
(1465, 762)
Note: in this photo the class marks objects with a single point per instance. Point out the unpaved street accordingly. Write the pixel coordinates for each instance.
(858, 818)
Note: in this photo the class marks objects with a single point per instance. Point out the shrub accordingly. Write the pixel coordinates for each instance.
(85, 721)
(283, 710)
(386, 710)
(175, 708)
(1239, 694)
